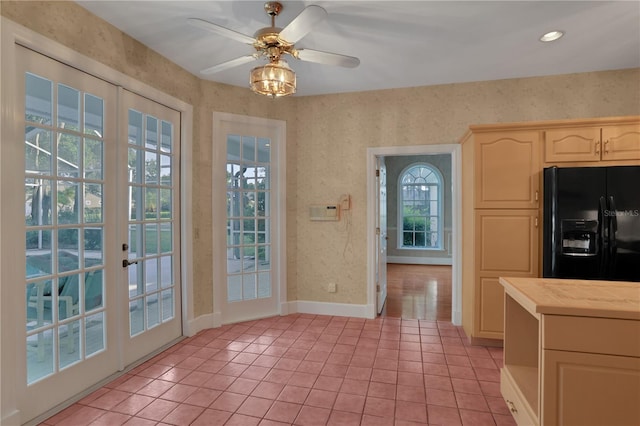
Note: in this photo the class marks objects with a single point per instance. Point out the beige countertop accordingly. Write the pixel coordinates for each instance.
(605, 299)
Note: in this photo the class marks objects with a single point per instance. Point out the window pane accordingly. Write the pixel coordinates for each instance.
(135, 171)
(264, 285)
(39, 259)
(166, 271)
(150, 167)
(165, 204)
(135, 127)
(37, 150)
(151, 204)
(38, 102)
(68, 249)
(69, 343)
(233, 147)
(264, 150)
(167, 305)
(40, 358)
(248, 148)
(151, 275)
(68, 208)
(420, 239)
(167, 141)
(135, 203)
(165, 170)
(93, 249)
(166, 238)
(136, 317)
(94, 333)
(37, 202)
(93, 290)
(151, 135)
(68, 108)
(153, 311)
(234, 288)
(93, 115)
(38, 299)
(92, 203)
(93, 159)
(249, 289)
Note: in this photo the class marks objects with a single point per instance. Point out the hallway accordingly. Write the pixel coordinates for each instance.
(418, 292)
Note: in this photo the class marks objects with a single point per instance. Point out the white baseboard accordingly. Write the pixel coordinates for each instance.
(456, 318)
(11, 419)
(410, 260)
(329, 308)
(202, 323)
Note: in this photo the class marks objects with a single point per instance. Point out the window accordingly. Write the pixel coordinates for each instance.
(420, 207)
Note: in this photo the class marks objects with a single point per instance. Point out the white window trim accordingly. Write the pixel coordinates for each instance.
(400, 216)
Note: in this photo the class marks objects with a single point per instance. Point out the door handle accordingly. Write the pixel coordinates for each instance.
(126, 263)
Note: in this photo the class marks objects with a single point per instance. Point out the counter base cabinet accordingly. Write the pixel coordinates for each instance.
(590, 389)
(580, 368)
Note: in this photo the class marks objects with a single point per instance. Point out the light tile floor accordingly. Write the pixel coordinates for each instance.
(307, 370)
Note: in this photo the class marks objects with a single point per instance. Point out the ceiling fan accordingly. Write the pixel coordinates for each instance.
(276, 79)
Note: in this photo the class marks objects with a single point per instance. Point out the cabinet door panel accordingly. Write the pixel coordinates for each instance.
(507, 170)
(577, 144)
(491, 308)
(621, 142)
(507, 242)
(590, 389)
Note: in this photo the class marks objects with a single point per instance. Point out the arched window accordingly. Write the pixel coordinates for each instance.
(420, 207)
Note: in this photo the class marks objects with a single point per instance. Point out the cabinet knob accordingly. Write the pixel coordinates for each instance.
(512, 406)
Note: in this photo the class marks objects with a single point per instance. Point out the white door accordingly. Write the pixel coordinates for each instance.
(381, 230)
(87, 191)
(69, 299)
(150, 241)
(252, 281)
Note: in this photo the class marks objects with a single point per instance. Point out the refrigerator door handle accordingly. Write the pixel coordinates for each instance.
(603, 237)
(613, 229)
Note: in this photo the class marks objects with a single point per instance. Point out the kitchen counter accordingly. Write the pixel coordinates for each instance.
(603, 299)
(571, 351)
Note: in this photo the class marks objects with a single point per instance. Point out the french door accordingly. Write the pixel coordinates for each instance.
(100, 285)
(251, 286)
(150, 240)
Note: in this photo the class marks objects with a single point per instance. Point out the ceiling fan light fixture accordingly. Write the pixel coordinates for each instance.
(274, 79)
(551, 36)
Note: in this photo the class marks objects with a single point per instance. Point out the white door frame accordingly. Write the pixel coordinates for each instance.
(219, 214)
(456, 182)
(12, 34)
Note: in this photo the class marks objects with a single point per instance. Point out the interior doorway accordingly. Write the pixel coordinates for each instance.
(423, 231)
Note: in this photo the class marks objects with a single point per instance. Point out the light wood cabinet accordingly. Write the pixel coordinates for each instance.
(502, 200)
(501, 181)
(592, 143)
(571, 352)
(507, 169)
(506, 245)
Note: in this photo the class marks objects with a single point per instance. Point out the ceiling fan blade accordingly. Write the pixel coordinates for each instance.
(229, 64)
(217, 29)
(320, 57)
(303, 24)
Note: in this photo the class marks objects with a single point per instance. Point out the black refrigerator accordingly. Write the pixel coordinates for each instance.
(591, 227)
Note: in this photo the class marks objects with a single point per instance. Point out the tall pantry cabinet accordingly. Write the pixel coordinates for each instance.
(501, 200)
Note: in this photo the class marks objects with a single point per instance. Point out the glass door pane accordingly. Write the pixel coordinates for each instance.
(248, 218)
(64, 226)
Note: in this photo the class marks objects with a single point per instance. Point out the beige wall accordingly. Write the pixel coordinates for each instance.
(327, 137)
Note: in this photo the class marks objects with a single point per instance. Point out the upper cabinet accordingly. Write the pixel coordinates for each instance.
(594, 143)
(507, 170)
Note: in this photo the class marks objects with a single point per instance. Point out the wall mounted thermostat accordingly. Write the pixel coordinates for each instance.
(324, 212)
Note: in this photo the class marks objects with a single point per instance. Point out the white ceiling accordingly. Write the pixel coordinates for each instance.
(399, 43)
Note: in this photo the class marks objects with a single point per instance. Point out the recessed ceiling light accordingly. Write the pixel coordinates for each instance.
(551, 36)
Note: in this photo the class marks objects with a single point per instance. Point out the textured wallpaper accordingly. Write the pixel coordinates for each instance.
(327, 137)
